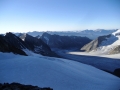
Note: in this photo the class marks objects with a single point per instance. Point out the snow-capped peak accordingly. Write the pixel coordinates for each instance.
(108, 44)
(117, 33)
(111, 42)
(24, 37)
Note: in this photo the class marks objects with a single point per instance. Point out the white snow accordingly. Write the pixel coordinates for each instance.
(28, 52)
(98, 54)
(113, 40)
(47, 39)
(96, 59)
(116, 33)
(59, 74)
(23, 39)
(110, 43)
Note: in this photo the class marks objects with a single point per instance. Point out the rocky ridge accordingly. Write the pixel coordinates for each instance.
(109, 44)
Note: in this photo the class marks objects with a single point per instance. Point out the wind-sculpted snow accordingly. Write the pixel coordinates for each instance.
(59, 74)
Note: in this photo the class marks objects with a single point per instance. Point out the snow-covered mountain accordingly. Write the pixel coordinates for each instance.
(92, 34)
(109, 44)
(64, 42)
(59, 74)
(24, 46)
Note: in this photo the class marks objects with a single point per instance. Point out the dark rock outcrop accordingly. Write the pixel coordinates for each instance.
(11, 43)
(37, 45)
(117, 72)
(64, 42)
(17, 86)
(18, 45)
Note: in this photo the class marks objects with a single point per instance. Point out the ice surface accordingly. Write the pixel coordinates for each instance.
(96, 59)
(59, 74)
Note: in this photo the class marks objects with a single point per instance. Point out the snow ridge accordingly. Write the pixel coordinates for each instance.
(110, 43)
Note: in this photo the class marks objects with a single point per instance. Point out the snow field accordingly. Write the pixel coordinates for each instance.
(59, 74)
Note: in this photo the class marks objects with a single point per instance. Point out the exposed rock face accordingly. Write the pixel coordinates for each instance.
(17, 86)
(64, 42)
(11, 43)
(116, 50)
(94, 44)
(109, 44)
(16, 41)
(37, 45)
(117, 72)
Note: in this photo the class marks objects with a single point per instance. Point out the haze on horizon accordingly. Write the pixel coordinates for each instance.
(56, 15)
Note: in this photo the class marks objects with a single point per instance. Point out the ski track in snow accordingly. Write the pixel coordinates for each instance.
(59, 74)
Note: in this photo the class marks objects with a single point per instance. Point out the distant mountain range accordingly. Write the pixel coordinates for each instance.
(64, 42)
(92, 34)
(56, 46)
(25, 44)
(108, 44)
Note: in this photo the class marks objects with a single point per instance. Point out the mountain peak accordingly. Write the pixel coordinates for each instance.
(117, 33)
(9, 34)
(109, 44)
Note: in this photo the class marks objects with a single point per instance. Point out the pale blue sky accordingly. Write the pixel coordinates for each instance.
(44, 15)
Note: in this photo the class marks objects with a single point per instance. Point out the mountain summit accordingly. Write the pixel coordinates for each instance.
(109, 44)
(11, 43)
(24, 44)
(64, 42)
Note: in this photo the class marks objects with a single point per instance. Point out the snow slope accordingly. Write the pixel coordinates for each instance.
(110, 43)
(113, 56)
(59, 74)
(104, 62)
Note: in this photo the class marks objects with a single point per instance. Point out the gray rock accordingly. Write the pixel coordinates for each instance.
(64, 42)
(94, 44)
(116, 50)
